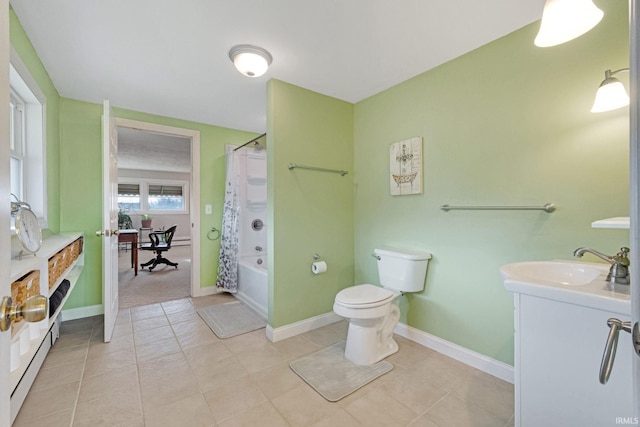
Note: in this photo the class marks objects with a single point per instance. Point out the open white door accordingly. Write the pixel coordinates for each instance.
(634, 199)
(109, 230)
(5, 237)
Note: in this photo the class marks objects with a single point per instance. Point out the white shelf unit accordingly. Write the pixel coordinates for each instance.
(21, 379)
(617, 222)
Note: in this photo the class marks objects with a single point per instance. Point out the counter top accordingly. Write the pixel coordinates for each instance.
(597, 294)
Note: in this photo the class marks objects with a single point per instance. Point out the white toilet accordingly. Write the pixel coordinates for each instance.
(373, 311)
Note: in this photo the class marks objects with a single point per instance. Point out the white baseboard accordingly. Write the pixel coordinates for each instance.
(203, 292)
(468, 357)
(306, 325)
(82, 312)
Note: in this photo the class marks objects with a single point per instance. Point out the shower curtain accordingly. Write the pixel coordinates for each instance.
(228, 264)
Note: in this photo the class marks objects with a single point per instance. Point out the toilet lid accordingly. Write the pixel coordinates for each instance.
(363, 294)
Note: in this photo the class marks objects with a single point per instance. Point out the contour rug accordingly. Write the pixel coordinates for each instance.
(230, 319)
(332, 375)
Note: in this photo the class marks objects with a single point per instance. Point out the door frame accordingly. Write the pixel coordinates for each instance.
(634, 181)
(194, 192)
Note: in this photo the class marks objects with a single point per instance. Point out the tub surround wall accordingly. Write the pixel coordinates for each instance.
(252, 244)
(311, 212)
(506, 124)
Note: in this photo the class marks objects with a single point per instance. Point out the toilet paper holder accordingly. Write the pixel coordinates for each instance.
(316, 256)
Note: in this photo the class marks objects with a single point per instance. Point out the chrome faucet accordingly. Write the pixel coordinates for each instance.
(619, 271)
(259, 248)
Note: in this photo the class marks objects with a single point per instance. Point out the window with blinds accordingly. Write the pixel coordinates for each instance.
(152, 195)
(129, 197)
(165, 197)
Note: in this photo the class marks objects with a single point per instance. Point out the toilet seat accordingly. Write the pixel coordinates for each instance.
(364, 296)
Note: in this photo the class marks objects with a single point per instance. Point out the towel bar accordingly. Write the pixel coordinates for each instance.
(548, 207)
(313, 168)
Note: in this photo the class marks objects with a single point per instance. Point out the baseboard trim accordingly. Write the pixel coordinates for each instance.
(297, 328)
(468, 357)
(203, 292)
(82, 312)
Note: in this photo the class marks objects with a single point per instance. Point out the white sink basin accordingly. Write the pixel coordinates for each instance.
(581, 283)
(554, 272)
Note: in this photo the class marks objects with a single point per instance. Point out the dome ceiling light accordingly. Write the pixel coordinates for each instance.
(252, 61)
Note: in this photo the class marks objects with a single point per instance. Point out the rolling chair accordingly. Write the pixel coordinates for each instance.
(160, 242)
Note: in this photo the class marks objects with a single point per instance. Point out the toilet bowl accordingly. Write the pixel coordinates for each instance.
(373, 311)
(373, 314)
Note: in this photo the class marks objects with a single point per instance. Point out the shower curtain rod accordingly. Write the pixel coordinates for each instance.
(253, 140)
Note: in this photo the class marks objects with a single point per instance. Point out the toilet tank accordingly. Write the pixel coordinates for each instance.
(402, 270)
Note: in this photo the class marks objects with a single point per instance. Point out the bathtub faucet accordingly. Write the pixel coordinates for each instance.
(259, 248)
(619, 271)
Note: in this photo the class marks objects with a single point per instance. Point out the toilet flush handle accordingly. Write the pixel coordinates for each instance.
(376, 256)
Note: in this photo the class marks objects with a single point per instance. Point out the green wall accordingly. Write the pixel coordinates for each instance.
(21, 43)
(506, 124)
(81, 186)
(309, 211)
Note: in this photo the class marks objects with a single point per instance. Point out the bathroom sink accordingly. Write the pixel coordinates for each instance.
(579, 283)
(554, 272)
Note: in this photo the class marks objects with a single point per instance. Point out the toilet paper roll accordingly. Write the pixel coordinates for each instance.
(319, 267)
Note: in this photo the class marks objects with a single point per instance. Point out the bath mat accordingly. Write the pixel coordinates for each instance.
(230, 319)
(333, 376)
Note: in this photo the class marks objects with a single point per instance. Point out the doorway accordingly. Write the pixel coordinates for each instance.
(161, 165)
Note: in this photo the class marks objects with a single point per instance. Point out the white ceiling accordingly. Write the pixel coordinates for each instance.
(171, 58)
(142, 150)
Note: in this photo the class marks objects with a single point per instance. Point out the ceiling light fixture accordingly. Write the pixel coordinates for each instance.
(564, 20)
(611, 93)
(252, 61)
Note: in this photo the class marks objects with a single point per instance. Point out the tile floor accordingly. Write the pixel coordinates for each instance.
(164, 367)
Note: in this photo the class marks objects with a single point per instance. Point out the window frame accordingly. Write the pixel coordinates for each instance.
(34, 166)
(144, 195)
(17, 139)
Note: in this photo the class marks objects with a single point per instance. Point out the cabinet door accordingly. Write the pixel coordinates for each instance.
(560, 352)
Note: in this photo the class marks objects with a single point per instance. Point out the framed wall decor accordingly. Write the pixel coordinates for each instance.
(405, 167)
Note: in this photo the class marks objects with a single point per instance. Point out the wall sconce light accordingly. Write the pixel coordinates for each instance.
(564, 20)
(252, 61)
(611, 93)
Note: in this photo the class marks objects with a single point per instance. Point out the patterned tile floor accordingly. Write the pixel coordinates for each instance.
(164, 367)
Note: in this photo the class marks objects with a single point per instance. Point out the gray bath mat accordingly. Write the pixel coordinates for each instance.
(231, 319)
(332, 375)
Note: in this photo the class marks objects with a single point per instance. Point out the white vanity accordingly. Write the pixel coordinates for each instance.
(561, 313)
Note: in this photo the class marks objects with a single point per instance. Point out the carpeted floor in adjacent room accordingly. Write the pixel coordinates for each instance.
(164, 283)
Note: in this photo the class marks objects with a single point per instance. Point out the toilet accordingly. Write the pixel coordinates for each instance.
(373, 311)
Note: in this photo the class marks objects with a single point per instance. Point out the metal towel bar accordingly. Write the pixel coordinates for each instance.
(293, 166)
(548, 207)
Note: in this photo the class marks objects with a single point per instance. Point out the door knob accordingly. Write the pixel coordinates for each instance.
(34, 309)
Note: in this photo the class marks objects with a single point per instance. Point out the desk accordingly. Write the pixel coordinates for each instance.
(131, 235)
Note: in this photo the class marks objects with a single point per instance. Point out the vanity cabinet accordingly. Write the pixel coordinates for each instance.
(60, 257)
(558, 351)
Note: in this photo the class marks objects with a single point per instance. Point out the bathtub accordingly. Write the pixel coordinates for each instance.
(252, 282)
